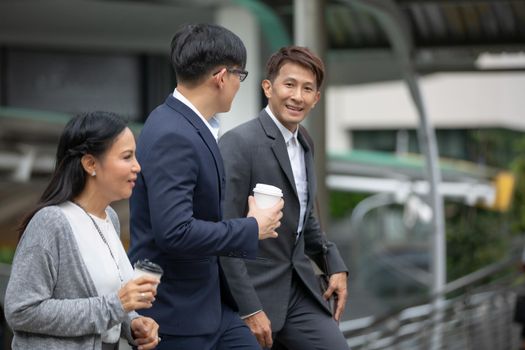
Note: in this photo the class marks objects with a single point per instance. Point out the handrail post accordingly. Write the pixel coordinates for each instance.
(398, 33)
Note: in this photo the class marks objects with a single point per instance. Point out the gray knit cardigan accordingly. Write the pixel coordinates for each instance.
(51, 301)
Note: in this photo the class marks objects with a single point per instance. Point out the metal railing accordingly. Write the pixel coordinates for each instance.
(478, 316)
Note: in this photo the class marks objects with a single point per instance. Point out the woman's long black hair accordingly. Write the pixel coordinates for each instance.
(90, 133)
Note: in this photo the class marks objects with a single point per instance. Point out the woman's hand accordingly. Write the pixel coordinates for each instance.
(145, 331)
(138, 293)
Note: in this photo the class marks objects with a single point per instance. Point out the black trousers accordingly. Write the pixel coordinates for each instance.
(106, 346)
(233, 334)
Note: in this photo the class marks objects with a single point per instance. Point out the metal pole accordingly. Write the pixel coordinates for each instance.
(427, 138)
(309, 30)
(398, 33)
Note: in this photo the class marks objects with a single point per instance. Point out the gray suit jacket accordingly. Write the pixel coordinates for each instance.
(255, 152)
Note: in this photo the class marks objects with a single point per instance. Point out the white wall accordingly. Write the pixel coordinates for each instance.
(246, 104)
(453, 100)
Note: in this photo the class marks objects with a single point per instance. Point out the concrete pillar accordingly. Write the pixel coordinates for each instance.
(247, 102)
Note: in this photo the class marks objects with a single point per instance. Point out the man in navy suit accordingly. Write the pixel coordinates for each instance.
(176, 207)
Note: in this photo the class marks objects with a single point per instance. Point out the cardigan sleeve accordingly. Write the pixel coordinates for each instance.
(125, 330)
(114, 219)
(31, 304)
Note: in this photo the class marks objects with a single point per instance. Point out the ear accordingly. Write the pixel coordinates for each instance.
(317, 98)
(267, 88)
(88, 163)
(218, 78)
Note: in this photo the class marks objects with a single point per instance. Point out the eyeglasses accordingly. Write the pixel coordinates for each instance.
(240, 72)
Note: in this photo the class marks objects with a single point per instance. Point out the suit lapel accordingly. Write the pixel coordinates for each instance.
(204, 133)
(278, 147)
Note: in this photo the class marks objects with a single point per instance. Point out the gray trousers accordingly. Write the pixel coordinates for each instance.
(307, 325)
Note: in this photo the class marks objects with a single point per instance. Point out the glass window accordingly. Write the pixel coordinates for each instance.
(74, 82)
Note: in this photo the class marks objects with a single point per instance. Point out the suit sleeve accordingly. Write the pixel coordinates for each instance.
(171, 170)
(316, 245)
(237, 164)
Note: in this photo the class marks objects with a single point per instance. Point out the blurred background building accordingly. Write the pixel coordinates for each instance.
(408, 81)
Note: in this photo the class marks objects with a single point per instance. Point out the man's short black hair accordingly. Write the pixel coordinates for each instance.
(197, 49)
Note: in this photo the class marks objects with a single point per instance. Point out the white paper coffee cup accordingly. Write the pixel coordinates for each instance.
(147, 268)
(266, 196)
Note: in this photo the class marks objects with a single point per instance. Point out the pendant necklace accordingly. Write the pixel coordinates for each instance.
(103, 240)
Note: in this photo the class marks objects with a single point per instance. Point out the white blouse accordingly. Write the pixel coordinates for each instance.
(108, 272)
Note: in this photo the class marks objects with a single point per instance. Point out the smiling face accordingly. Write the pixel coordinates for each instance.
(117, 169)
(292, 94)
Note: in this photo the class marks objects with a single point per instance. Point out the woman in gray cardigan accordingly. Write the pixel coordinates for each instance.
(71, 283)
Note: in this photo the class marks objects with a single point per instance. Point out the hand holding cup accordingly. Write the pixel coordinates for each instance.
(266, 207)
(147, 268)
(139, 293)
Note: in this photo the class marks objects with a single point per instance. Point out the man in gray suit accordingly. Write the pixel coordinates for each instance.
(278, 294)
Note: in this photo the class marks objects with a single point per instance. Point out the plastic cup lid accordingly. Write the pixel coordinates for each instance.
(268, 189)
(149, 266)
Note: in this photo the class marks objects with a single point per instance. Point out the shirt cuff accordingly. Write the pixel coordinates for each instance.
(250, 315)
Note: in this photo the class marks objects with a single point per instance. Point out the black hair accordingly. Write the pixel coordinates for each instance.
(299, 55)
(197, 49)
(90, 133)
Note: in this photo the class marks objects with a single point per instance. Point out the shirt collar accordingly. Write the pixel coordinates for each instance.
(287, 134)
(212, 124)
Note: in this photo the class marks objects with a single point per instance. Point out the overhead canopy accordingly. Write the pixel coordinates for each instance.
(447, 35)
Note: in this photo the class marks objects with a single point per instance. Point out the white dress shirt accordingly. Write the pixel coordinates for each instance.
(296, 156)
(212, 124)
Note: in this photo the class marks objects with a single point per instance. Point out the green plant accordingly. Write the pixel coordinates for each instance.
(517, 211)
(342, 203)
(475, 238)
(6, 255)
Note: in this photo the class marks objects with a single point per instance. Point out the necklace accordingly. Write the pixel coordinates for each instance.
(105, 242)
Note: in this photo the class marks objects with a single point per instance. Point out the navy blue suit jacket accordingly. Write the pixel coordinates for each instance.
(176, 220)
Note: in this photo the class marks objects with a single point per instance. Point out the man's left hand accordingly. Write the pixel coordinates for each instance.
(338, 285)
(145, 332)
